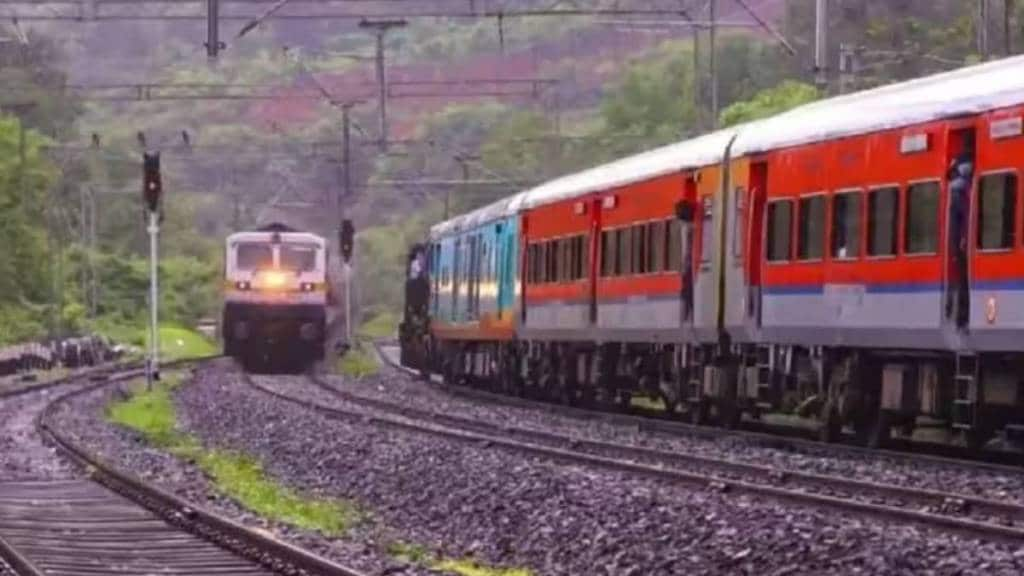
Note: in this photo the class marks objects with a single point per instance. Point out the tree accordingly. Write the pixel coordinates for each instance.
(769, 102)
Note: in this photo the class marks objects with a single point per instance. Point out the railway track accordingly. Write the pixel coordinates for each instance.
(962, 514)
(110, 522)
(770, 436)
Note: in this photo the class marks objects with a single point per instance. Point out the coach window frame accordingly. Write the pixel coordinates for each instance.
(869, 220)
(860, 194)
(904, 239)
(1015, 229)
(770, 231)
(798, 226)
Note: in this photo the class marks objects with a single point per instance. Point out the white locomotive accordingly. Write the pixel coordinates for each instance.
(275, 297)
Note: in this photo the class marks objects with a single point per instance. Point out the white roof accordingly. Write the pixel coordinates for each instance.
(701, 151)
(965, 91)
(961, 92)
(285, 237)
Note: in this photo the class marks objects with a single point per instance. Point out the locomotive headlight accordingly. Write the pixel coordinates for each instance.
(307, 287)
(243, 285)
(274, 280)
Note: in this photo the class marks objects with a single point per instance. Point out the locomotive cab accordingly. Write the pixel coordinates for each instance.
(275, 296)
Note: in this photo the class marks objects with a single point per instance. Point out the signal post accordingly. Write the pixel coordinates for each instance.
(152, 190)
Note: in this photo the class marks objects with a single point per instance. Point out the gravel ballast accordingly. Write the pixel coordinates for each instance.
(507, 508)
(84, 420)
(981, 482)
(23, 455)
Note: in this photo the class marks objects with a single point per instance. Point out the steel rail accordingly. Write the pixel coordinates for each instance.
(745, 479)
(267, 551)
(767, 435)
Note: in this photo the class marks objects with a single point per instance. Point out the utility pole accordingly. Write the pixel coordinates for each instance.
(713, 61)
(821, 44)
(213, 43)
(1009, 8)
(463, 160)
(982, 28)
(381, 28)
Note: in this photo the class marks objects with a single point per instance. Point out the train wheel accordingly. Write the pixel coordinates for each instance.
(729, 415)
(698, 413)
(831, 425)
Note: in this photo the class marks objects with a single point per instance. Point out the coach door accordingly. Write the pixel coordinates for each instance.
(756, 198)
(960, 181)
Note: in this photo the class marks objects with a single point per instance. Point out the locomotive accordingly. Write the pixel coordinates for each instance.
(858, 259)
(275, 297)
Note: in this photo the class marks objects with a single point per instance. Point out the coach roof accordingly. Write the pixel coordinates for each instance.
(961, 92)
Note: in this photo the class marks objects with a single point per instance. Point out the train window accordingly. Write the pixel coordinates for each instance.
(846, 225)
(674, 248)
(922, 226)
(655, 247)
(883, 214)
(566, 265)
(300, 257)
(780, 230)
(625, 263)
(251, 256)
(551, 272)
(607, 253)
(707, 232)
(811, 228)
(639, 260)
(584, 263)
(997, 208)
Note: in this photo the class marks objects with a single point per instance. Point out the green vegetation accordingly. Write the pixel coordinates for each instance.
(410, 553)
(238, 476)
(357, 363)
(382, 325)
(770, 102)
(472, 568)
(422, 556)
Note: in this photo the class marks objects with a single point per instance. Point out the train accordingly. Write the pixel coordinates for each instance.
(858, 260)
(276, 298)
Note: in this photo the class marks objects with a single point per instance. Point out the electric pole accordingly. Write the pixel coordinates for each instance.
(982, 25)
(213, 43)
(1009, 8)
(713, 61)
(381, 28)
(463, 160)
(821, 44)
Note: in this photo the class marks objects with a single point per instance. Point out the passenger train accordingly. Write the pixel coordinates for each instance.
(859, 259)
(276, 296)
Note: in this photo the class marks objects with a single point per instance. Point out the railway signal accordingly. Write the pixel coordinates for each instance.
(347, 239)
(152, 190)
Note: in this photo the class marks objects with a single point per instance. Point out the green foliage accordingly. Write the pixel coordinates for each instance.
(383, 324)
(238, 476)
(472, 568)
(654, 99)
(357, 363)
(769, 102)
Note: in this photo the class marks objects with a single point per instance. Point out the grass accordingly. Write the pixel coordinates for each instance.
(357, 363)
(383, 325)
(472, 568)
(646, 403)
(421, 556)
(240, 477)
(176, 342)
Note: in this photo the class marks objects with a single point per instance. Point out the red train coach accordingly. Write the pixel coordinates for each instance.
(859, 259)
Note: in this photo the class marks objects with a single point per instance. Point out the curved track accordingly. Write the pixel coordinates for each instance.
(113, 523)
(774, 436)
(969, 516)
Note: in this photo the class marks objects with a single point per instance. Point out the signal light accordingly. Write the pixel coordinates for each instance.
(347, 238)
(152, 186)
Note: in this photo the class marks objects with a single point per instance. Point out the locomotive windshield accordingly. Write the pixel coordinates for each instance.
(252, 256)
(298, 257)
